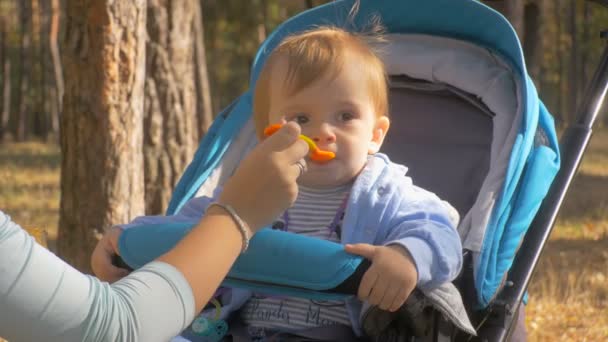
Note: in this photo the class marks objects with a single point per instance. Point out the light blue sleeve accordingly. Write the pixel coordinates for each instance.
(426, 227)
(44, 299)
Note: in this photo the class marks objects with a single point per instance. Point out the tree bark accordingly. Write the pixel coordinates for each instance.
(5, 64)
(560, 64)
(170, 120)
(57, 100)
(204, 107)
(263, 24)
(23, 104)
(101, 125)
(6, 108)
(573, 82)
(515, 14)
(586, 38)
(533, 43)
(2, 73)
(38, 114)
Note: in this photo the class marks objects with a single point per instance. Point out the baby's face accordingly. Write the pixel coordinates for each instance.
(338, 114)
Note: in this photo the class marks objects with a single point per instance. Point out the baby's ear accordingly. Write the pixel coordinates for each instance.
(380, 129)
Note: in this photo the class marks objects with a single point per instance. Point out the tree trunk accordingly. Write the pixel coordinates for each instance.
(573, 82)
(38, 125)
(3, 58)
(533, 43)
(204, 107)
(101, 125)
(5, 64)
(6, 108)
(57, 102)
(560, 63)
(170, 120)
(586, 38)
(515, 14)
(263, 24)
(23, 100)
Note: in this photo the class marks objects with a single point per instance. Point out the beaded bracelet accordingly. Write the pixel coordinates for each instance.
(239, 222)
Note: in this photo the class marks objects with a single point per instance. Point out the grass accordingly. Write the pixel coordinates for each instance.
(29, 186)
(568, 293)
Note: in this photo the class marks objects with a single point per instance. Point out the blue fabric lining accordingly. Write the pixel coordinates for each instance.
(298, 263)
(501, 243)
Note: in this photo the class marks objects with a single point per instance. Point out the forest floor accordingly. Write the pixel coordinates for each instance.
(568, 294)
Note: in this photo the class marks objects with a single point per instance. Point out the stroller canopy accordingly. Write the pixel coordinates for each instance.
(456, 47)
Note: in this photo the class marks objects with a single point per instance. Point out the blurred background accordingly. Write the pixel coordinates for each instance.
(198, 56)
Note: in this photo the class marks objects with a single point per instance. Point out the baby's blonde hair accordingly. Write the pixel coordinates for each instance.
(311, 55)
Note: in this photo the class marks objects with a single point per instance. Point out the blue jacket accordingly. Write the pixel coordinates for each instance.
(384, 208)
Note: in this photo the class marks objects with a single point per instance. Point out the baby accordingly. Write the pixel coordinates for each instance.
(334, 86)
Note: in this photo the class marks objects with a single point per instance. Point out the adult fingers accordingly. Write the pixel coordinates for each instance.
(283, 138)
(288, 145)
(300, 168)
(296, 152)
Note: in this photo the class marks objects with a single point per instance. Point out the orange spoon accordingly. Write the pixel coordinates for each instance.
(316, 154)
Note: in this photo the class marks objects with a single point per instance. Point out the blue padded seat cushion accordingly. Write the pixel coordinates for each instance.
(275, 259)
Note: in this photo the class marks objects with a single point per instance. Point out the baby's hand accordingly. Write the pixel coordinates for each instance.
(391, 277)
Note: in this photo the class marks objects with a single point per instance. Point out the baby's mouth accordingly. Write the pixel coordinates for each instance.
(315, 153)
(321, 156)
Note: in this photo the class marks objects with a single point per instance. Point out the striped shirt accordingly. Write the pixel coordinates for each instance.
(312, 214)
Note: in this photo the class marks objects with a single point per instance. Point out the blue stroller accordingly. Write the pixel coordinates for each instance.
(459, 91)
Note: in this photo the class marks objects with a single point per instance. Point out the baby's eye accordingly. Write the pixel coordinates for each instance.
(301, 119)
(346, 116)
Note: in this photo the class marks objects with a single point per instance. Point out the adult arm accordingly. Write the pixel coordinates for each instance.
(43, 298)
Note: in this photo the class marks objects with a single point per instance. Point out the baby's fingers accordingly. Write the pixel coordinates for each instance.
(390, 294)
(362, 249)
(399, 300)
(367, 284)
(378, 293)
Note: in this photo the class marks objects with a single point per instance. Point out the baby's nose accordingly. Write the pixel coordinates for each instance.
(324, 138)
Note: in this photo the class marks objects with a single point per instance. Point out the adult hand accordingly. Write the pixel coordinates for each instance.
(264, 185)
(101, 259)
